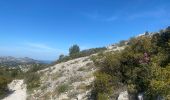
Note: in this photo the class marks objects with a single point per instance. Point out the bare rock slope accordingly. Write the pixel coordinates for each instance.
(66, 81)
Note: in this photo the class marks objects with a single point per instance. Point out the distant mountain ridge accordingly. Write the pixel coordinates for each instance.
(13, 61)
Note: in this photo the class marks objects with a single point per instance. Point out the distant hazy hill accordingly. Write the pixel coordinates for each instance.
(12, 61)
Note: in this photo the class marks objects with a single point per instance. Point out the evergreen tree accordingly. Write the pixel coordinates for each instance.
(74, 50)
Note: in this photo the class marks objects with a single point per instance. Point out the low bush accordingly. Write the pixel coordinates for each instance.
(7, 74)
(32, 77)
(32, 80)
(82, 53)
(3, 86)
(143, 66)
(62, 88)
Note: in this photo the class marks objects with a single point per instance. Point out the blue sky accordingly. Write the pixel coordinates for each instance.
(43, 29)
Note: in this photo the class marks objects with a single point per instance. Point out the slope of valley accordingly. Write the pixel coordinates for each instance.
(66, 81)
(70, 80)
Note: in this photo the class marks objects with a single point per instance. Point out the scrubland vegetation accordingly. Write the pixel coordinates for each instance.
(6, 76)
(143, 67)
(74, 52)
(32, 77)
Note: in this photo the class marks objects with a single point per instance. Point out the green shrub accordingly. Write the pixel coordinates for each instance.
(81, 69)
(6, 76)
(74, 50)
(79, 54)
(3, 86)
(62, 88)
(143, 66)
(32, 77)
(32, 80)
(102, 84)
(102, 96)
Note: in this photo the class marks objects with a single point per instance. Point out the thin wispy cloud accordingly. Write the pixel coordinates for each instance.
(158, 13)
(148, 14)
(100, 17)
(41, 47)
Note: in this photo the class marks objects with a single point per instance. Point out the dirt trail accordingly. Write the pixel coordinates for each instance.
(19, 90)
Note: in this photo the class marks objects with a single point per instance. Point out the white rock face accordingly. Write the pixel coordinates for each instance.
(19, 90)
(123, 96)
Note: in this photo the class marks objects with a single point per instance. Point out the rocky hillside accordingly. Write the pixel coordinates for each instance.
(69, 80)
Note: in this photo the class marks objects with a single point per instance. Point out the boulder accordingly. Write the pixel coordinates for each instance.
(123, 96)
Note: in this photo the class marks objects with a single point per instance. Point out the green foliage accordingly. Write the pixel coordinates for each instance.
(132, 88)
(79, 54)
(32, 80)
(122, 43)
(143, 66)
(81, 69)
(32, 77)
(103, 82)
(64, 59)
(3, 86)
(6, 76)
(61, 57)
(74, 49)
(160, 82)
(62, 88)
(11, 73)
(36, 67)
(102, 96)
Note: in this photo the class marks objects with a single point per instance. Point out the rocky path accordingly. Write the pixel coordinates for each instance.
(18, 89)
